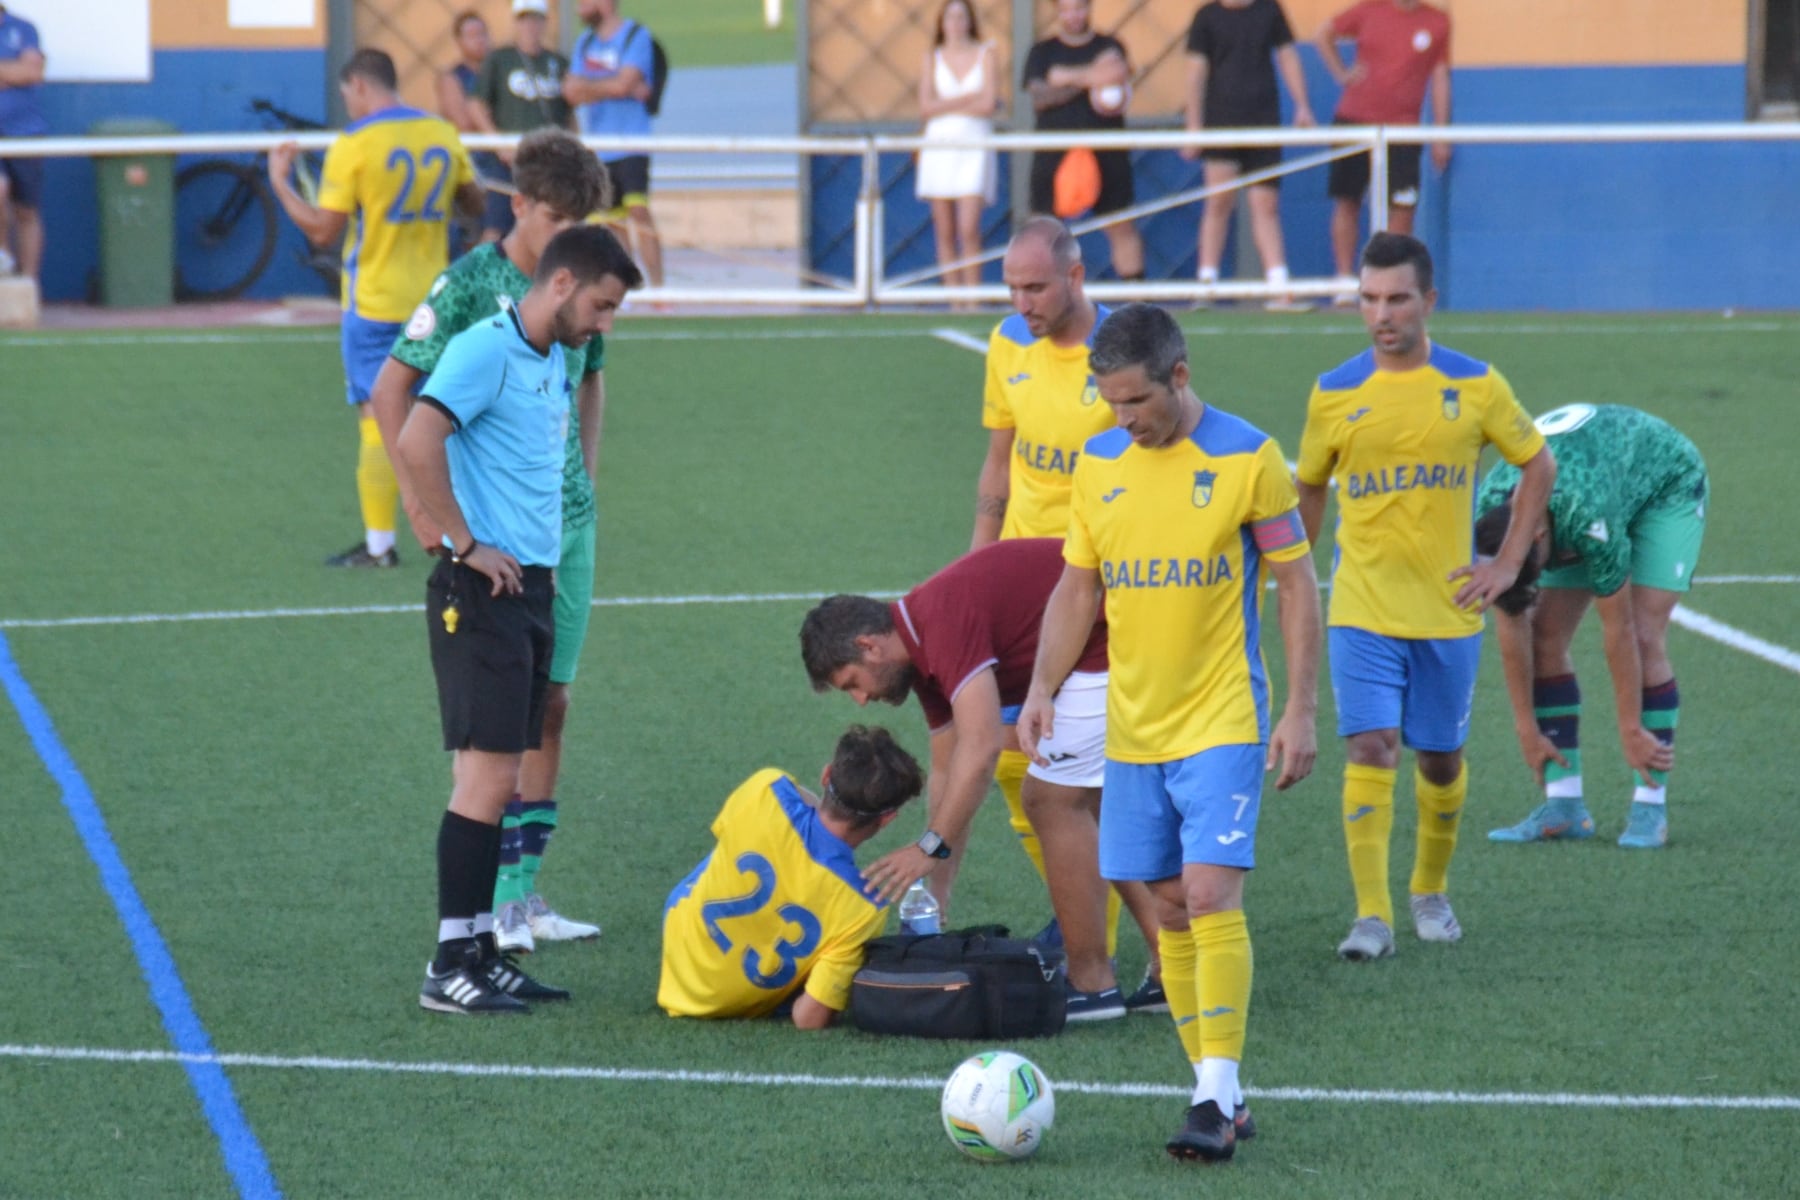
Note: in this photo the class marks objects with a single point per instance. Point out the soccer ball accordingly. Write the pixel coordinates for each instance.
(998, 1106)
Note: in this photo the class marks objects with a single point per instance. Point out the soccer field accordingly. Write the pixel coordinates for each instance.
(222, 786)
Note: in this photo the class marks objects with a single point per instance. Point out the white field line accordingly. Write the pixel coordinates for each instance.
(887, 1082)
(1737, 639)
(363, 610)
(1449, 327)
(957, 337)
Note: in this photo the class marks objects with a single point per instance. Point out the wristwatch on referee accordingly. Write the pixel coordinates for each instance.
(933, 845)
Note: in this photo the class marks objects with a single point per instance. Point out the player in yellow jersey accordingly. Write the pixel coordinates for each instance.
(390, 179)
(778, 907)
(1040, 406)
(1173, 517)
(1402, 426)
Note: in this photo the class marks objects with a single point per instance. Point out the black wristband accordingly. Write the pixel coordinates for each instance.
(459, 555)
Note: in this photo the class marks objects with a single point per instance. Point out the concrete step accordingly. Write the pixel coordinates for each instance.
(19, 305)
(728, 218)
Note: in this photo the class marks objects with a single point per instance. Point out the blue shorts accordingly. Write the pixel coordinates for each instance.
(25, 181)
(1424, 687)
(1155, 817)
(365, 345)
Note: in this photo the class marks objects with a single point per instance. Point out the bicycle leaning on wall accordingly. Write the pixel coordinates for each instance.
(227, 221)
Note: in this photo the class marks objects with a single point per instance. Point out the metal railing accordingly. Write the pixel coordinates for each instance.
(869, 283)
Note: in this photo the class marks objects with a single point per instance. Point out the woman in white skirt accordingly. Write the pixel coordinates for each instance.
(958, 92)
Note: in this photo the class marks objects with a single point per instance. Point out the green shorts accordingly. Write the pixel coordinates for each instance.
(574, 600)
(1665, 549)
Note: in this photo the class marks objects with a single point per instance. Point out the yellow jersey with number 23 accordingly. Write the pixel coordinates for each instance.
(777, 905)
(395, 174)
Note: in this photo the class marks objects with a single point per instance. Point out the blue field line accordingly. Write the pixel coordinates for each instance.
(243, 1154)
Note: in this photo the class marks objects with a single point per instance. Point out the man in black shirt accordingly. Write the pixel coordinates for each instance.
(519, 89)
(1233, 48)
(1080, 79)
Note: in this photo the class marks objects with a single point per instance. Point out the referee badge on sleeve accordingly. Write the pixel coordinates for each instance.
(1203, 485)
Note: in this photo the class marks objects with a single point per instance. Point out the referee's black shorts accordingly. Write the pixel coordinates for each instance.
(494, 668)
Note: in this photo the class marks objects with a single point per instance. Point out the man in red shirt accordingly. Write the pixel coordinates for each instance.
(1402, 50)
(964, 642)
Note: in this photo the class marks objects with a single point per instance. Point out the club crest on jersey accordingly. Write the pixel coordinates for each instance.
(1452, 403)
(1203, 486)
(1090, 393)
(423, 323)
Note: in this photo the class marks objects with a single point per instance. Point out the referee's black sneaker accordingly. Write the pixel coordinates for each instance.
(503, 975)
(1206, 1136)
(465, 990)
(359, 556)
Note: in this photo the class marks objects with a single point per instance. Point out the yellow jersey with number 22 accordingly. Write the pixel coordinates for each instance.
(395, 174)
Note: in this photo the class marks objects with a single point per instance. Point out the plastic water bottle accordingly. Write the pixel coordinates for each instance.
(919, 910)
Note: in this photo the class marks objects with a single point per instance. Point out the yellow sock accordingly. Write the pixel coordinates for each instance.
(1009, 773)
(1114, 906)
(1181, 986)
(1222, 959)
(1368, 822)
(375, 483)
(1440, 816)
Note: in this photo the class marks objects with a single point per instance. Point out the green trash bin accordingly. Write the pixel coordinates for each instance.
(137, 219)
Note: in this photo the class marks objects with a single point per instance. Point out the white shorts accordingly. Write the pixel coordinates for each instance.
(1077, 751)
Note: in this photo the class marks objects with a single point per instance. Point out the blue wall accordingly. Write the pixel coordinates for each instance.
(197, 91)
(1596, 228)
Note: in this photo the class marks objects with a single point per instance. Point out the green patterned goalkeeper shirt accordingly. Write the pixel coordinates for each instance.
(475, 286)
(1612, 463)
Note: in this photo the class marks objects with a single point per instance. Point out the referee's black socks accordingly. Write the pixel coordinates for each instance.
(468, 858)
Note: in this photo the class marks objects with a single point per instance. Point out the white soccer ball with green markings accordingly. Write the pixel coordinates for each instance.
(998, 1107)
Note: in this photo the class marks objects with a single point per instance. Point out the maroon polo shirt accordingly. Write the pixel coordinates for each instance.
(982, 612)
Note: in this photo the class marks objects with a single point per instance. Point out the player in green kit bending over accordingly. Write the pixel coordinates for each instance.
(1623, 530)
(559, 183)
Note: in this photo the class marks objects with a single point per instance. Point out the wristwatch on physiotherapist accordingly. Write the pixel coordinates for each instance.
(933, 845)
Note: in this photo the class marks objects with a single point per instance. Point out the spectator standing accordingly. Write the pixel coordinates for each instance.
(1079, 79)
(610, 83)
(454, 88)
(1402, 50)
(958, 90)
(456, 85)
(1233, 49)
(519, 90)
(21, 115)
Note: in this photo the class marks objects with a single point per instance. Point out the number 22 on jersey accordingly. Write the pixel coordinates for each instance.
(426, 176)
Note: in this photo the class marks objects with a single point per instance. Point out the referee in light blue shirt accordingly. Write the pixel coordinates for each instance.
(482, 451)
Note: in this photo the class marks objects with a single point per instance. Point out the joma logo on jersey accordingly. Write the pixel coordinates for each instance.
(1090, 394)
(1165, 572)
(1046, 458)
(1418, 477)
(1452, 403)
(1203, 486)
